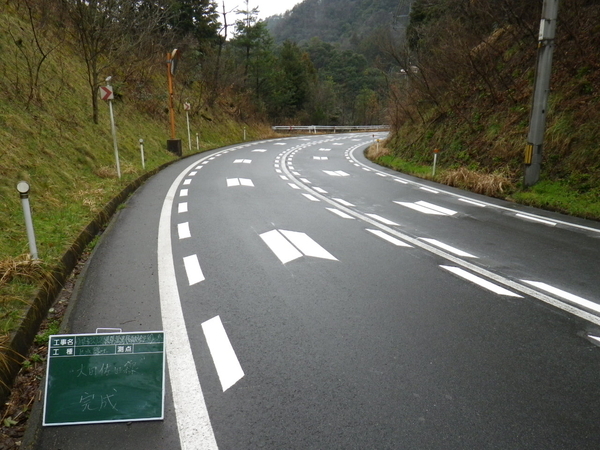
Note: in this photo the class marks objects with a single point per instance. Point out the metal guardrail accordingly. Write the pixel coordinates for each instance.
(329, 128)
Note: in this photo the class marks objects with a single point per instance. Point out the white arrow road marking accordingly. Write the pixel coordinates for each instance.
(291, 245)
(389, 238)
(342, 214)
(226, 362)
(279, 245)
(306, 245)
(232, 182)
(382, 219)
(565, 295)
(480, 281)
(336, 173)
(183, 229)
(437, 208)
(448, 248)
(182, 207)
(242, 161)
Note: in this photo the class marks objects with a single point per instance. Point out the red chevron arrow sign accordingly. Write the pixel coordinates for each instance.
(106, 93)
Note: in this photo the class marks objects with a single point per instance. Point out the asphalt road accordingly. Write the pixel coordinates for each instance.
(313, 300)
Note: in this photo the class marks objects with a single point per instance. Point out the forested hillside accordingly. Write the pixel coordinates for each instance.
(463, 83)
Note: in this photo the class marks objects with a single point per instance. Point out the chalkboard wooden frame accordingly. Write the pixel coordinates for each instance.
(104, 378)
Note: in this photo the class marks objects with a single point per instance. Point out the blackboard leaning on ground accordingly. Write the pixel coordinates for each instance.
(99, 378)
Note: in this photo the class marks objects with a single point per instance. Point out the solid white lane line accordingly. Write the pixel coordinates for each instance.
(433, 191)
(193, 269)
(342, 214)
(536, 219)
(183, 229)
(182, 207)
(419, 208)
(232, 182)
(389, 238)
(343, 202)
(307, 245)
(246, 182)
(382, 219)
(312, 198)
(193, 423)
(448, 248)
(565, 295)
(183, 193)
(480, 281)
(472, 202)
(279, 245)
(437, 208)
(226, 362)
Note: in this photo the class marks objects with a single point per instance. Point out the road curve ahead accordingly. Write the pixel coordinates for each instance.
(313, 300)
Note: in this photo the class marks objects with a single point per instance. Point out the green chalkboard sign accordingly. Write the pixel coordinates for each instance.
(97, 378)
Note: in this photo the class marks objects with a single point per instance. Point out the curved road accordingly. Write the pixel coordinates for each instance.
(314, 300)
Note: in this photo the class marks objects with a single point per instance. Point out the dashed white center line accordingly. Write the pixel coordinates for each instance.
(183, 193)
(344, 202)
(382, 219)
(283, 177)
(480, 281)
(193, 270)
(226, 362)
(187, 182)
(183, 229)
(420, 208)
(437, 208)
(565, 295)
(321, 158)
(336, 173)
(536, 219)
(400, 181)
(471, 202)
(320, 190)
(389, 238)
(433, 191)
(259, 150)
(182, 207)
(304, 180)
(242, 161)
(293, 186)
(342, 214)
(312, 198)
(448, 248)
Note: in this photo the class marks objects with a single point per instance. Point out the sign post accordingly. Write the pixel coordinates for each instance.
(187, 107)
(101, 378)
(173, 144)
(107, 94)
(435, 157)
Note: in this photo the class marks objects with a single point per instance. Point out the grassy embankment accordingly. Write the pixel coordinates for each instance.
(51, 142)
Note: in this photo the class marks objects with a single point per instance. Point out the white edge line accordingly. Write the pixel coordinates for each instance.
(389, 238)
(193, 422)
(480, 281)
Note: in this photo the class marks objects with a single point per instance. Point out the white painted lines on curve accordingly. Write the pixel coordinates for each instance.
(193, 269)
(339, 213)
(480, 281)
(343, 202)
(242, 161)
(428, 208)
(183, 193)
(448, 248)
(388, 238)
(312, 198)
(182, 207)
(565, 295)
(183, 229)
(226, 362)
(382, 219)
(536, 219)
(336, 173)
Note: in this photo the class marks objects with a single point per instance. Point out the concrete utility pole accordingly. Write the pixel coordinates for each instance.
(537, 123)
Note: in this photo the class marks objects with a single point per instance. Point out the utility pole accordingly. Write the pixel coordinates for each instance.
(537, 123)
